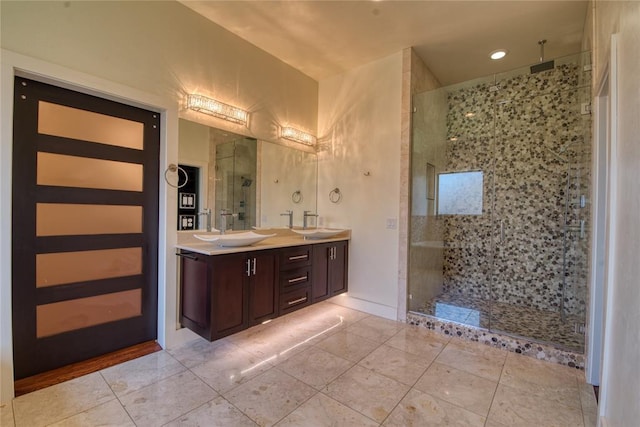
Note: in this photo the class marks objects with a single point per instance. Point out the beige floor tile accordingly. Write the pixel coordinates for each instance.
(479, 348)
(277, 341)
(321, 411)
(348, 315)
(515, 407)
(348, 345)
(269, 397)
(367, 392)
(424, 410)
(107, 414)
(6, 415)
(527, 369)
(199, 351)
(541, 378)
(395, 364)
(458, 387)
(494, 423)
(138, 373)
(587, 396)
(588, 403)
(419, 341)
(216, 413)
(315, 367)
(231, 368)
(376, 328)
(590, 418)
(472, 360)
(167, 399)
(55, 403)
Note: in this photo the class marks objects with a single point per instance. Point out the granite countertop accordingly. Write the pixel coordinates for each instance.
(283, 238)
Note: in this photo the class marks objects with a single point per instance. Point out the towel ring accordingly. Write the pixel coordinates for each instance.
(296, 196)
(335, 195)
(174, 168)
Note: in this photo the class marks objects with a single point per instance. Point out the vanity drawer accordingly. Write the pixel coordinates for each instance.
(294, 300)
(294, 257)
(295, 278)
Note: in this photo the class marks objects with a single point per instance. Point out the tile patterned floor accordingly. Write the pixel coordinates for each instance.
(325, 365)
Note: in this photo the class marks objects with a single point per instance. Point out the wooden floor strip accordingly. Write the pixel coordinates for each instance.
(75, 370)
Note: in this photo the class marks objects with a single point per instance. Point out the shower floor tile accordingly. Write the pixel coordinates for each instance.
(538, 325)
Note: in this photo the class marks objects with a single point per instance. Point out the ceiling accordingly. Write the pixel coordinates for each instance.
(454, 38)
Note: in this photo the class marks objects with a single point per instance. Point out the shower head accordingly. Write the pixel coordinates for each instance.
(246, 182)
(542, 66)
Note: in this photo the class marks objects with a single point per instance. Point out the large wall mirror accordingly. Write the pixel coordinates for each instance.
(257, 181)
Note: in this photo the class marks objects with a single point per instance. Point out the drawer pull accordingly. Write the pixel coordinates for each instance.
(295, 258)
(296, 301)
(298, 279)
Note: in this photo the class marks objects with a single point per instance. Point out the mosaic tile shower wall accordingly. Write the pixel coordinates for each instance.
(527, 135)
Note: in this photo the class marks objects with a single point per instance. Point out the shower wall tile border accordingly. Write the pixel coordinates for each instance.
(515, 345)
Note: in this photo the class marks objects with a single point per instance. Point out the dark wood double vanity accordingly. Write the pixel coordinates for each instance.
(223, 293)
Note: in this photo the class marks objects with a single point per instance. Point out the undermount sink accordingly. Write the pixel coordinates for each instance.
(234, 239)
(319, 233)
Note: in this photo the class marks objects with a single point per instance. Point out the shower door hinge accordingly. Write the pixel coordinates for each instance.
(586, 67)
(585, 108)
(579, 328)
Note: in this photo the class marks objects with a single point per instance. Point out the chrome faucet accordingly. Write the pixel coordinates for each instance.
(207, 212)
(224, 213)
(305, 218)
(290, 215)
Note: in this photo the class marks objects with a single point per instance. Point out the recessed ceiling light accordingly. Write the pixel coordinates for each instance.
(498, 54)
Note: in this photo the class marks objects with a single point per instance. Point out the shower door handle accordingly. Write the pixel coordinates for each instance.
(502, 230)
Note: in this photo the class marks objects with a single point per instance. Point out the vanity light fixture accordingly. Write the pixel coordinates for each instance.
(218, 109)
(296, 135)
(498, 54)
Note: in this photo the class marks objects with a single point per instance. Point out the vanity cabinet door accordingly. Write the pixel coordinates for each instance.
(330, 262)
(229, 299)
(338, 268)
(320, 281)
(195, 291)
(263, 295)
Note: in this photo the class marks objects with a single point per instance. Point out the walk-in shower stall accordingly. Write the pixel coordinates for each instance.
(499, 231)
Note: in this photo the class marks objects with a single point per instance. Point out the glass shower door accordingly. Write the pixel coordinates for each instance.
(539, 135)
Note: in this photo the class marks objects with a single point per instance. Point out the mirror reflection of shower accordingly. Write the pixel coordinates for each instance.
(244, 204)
(236, 167)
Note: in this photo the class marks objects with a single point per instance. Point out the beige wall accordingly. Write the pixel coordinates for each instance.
(621, 364)
(359, 132)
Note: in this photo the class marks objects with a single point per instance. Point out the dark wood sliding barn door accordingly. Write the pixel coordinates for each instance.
(85, 226)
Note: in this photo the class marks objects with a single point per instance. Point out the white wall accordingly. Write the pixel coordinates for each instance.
(150, 54)
(359, 131)
(621, 368)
